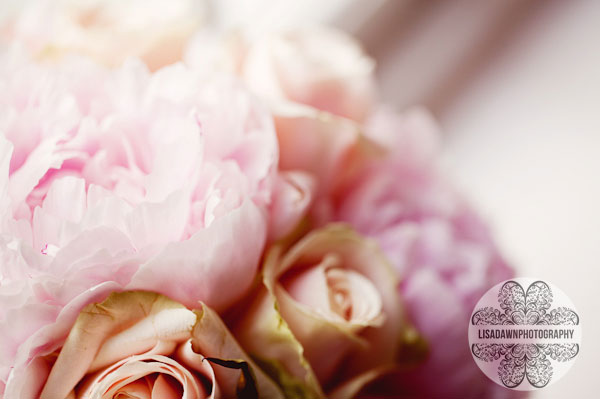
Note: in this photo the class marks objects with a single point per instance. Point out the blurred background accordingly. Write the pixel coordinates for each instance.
(515, 86)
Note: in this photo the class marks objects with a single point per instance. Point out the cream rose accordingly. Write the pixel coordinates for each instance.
(328, 315)
(144, 345)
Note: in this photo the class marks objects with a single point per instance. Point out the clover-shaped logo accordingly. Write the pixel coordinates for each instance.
(525, 335)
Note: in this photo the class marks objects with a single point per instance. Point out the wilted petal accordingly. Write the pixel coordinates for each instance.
(212, 339)
(95, 324)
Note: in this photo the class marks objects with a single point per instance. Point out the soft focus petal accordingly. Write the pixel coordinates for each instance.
(108, 31)
(328, 147)
(320, 67)
(207, 267)
(292, 197)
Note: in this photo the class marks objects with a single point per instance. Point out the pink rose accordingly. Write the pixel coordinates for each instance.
(144, 345)
(328, 317)
(107, 31)
(442, 251)
(120, 179)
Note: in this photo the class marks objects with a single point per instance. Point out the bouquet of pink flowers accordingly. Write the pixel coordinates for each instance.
(249, 223)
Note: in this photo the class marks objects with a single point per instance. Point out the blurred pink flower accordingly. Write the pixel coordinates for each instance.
(320, 67)
(120, 179)
(109, 31)
(444, 254)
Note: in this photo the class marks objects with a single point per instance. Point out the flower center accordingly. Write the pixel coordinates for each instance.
(340, 297)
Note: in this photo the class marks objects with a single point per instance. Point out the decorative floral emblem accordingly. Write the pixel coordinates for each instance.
(525, 318)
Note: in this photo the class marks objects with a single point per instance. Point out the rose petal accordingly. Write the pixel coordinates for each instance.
(93, 326)
(211, 338)
(115, 378)
(170, 325)
(292, 196)
(355, 254)
(29, 365)
(268, 338)
(315, 142)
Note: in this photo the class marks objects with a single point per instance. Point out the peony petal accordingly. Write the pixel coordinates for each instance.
(39, 161)
(171, 215)
(207, 267)
(413, 136)
(6, 151)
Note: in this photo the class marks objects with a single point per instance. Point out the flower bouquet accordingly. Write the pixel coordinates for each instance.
(186, 215)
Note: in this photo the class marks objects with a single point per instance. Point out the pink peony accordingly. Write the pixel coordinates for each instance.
(120, 179)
